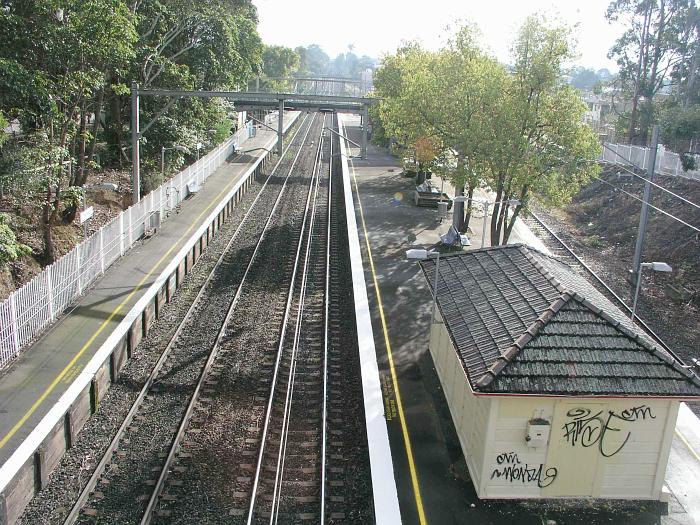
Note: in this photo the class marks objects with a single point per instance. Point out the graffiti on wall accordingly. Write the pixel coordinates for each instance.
(511, 469)
(586, 428)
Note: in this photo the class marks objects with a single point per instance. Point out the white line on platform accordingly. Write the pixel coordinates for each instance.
(386, 501)
(25, 450)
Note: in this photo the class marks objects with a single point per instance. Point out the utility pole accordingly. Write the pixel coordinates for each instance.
(280, 128)
(644, 217)
(365, 125)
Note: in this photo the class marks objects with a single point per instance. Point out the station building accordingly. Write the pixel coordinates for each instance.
(553, 391)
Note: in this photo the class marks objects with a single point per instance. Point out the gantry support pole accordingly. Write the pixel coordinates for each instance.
(644, 216)
(280, 128)
(135, 136)
(365, 124)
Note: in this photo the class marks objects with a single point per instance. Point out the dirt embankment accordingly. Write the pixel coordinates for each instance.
(601, 225)
(25, 221)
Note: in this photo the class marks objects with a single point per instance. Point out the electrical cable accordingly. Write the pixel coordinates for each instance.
(650, 205)
(645, 179)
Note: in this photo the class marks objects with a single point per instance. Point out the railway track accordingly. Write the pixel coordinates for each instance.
(562, 251)
(289, 478)
(122, 486)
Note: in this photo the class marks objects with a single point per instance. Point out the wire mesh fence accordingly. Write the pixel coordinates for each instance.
(31, 308)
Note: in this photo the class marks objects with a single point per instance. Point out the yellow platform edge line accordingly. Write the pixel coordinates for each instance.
(394, 379)
(104, 324)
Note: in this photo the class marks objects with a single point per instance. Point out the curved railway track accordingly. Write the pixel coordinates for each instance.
(562, 251)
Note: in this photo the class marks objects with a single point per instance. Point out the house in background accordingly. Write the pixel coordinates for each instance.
(554, 393)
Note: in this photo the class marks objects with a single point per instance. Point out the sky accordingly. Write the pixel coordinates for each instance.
(377, 27)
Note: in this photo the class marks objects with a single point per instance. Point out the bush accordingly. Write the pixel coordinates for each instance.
(10, 248)
(688, 162)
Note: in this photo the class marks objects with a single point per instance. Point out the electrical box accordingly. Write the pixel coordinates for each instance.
(537, 432)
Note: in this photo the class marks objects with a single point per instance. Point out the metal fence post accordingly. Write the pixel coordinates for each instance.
(131, 223)
(121, 234)
(102, 251)
(13, 322)
(49, 292)
(80, 269)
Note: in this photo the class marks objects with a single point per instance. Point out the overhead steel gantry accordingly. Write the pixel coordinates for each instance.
(244, 100)
(321, 85)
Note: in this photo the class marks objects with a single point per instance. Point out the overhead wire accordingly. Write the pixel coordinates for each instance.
(649, 204)
(645, 179)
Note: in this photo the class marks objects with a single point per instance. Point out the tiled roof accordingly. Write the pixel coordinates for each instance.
(524, 322)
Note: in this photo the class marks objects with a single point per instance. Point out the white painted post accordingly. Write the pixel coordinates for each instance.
(131, 222)
(49, 292)
(80, 269)
(13, 322)
(646, 158)
(102, 252)
(121, 234)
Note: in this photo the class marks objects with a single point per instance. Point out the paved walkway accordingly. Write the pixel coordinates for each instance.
(30, 387)
(433, 481)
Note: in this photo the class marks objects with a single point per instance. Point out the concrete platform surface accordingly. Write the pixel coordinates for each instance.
(45, 370)
(431, 474)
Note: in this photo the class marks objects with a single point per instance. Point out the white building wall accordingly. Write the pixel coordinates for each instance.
(590, 452)
(469, 413)
(597, 448)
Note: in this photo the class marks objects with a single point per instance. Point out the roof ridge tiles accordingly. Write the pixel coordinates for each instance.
(551, 309)
(634, 336)
(642, 342)
(530, 333)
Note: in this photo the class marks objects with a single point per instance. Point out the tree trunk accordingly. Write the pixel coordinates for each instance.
(516, 212)
(458, 210)
(80, 174)
(494, 213)
(49, 250)
(468, 215)
(501, 215)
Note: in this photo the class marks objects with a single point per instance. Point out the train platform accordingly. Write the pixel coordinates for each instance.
(32, 386)
(430, 471)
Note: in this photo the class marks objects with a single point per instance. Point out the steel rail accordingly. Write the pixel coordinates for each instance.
(153, 500)
(278, 359)
(326, 308)
(607, 288)
(289, 398)
(107, 456)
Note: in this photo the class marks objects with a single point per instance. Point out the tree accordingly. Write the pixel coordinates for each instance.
(279, 62)
(649, 49)
(53, 63)
(313, 61)
(539, 142)
(65, 71)
(583, 78)
(517, 133)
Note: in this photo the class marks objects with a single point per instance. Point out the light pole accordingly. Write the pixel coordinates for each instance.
(423, 255)
(486, 204)
(176, 147)
(655, 266)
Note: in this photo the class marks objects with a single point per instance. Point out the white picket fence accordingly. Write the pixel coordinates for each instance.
(667, 162)
(31, 308)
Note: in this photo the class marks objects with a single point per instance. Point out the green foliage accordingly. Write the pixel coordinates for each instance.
(73, 196)
(688, 162)
(3, 126)
(10, 248)
(660, 42)
(516, 132)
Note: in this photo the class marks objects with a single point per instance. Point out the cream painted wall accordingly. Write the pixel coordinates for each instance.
(613, 448)
(469, 413)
